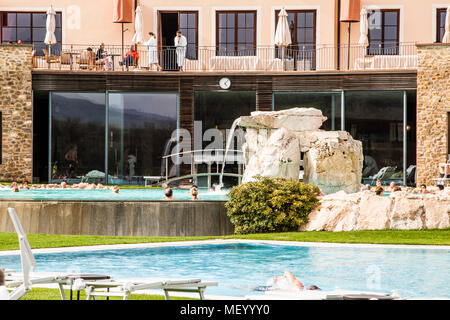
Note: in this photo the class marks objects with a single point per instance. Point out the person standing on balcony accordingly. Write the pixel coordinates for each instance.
(152, 52)
(180, 45)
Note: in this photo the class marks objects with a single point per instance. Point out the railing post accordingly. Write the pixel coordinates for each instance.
(167, 168)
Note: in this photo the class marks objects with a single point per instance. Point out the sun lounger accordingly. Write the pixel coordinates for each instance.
(25, 280)
(338, 294)
(124, 289)
(91, 283)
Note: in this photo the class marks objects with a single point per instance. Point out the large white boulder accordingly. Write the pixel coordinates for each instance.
(332, 159)
(295, 119)
(334, 162)
(367, 211)
(279, 157)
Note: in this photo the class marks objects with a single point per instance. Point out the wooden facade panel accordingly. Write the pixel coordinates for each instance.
(238, 82)
(264, 94)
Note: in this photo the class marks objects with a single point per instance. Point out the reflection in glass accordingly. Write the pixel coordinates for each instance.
(140, 128)
(220, 109)
(328, 102)
(77, 136)
(376, 119)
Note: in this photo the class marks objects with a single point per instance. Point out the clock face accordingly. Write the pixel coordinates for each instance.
(225, 83)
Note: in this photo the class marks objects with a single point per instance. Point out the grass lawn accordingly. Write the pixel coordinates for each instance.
(8, 241)
(53, 294)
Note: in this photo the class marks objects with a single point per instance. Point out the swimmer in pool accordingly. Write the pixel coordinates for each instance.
(288, 282)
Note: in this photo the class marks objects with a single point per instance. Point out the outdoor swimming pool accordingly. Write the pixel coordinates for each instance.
(123, 195)
(240, 267)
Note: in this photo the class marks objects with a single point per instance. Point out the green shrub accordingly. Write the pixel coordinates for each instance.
(271, 205)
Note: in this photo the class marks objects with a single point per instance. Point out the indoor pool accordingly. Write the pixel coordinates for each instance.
(241, 267)
(124, 194)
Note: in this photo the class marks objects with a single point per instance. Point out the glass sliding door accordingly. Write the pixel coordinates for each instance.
(77, 131)
(376, 119)
(140, 129)
(328, 102)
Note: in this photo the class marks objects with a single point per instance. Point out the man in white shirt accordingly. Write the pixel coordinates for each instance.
(180, 45)
(4, 293)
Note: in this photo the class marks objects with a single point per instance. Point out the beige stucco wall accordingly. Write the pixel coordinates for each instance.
(433, 108)
(417, 19)
(17, 112)
(89, 22)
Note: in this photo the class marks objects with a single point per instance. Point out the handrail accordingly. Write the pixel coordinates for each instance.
(202, 150)
(268, 58)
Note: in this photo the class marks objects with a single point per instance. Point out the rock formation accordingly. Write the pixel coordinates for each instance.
(367, 211)
(275, 141)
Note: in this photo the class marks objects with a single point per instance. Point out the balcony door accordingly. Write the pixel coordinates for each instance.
(169, 23)
(302, 27)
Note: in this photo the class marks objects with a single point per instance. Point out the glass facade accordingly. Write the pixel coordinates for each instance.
(135, 127)
(219, 109)
(77, 135)
(140, 128)
(378, 119)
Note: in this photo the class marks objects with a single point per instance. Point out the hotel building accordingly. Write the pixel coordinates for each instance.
(63, 114)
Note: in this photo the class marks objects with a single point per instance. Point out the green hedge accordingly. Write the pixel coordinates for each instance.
(271, 205)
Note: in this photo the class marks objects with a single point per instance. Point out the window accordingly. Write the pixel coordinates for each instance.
(236, 33)
(440, 23)
(302, 26)
(384, 32)
(188, 24)
(30, 28)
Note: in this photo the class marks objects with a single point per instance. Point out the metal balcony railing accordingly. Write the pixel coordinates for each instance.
(298, 58)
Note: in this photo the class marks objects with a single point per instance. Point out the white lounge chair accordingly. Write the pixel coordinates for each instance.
(338, 294)
(24, 281)
(124, 289)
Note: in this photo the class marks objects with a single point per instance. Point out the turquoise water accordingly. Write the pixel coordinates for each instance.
(124, 194)
(239, 268)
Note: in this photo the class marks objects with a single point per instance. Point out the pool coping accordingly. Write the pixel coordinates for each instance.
(223, 241)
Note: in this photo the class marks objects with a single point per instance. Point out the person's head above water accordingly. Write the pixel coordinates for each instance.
(168, 193)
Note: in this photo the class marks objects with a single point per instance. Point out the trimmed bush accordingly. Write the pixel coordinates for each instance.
(271, 205)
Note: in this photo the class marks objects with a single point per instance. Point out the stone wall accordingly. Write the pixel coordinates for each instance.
(17, 112)
(433, 107)
(119, 218)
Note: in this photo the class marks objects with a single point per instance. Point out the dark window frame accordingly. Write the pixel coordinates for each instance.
(296, 49)
(179, 12)
(382, 50)
(236, 30)
(30, 27)
(440, 31)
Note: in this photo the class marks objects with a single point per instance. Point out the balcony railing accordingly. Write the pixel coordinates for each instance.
(213, 59)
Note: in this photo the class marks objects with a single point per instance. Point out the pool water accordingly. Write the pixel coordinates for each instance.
(124, 194)
(241, 267)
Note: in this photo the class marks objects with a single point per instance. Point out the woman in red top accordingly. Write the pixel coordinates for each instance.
(131, 58)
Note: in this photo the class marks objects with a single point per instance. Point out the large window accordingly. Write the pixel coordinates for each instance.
(302, 26)
(384, 32)
(376, 119)
(140, 128)
(30, 27)
(440, 24)
(188, 23)
(77, 136)
(236, 33)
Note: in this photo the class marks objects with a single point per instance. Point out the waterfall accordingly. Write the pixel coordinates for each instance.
(229, 139)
